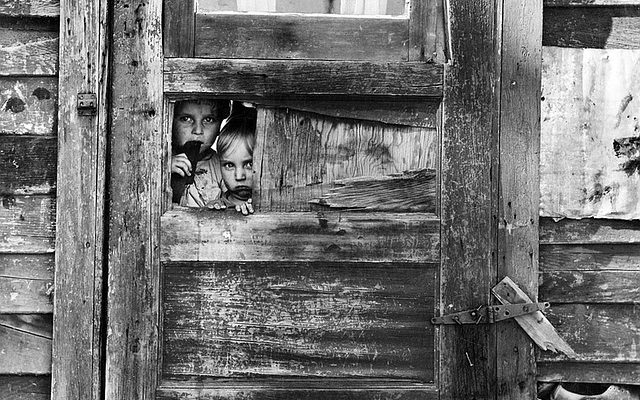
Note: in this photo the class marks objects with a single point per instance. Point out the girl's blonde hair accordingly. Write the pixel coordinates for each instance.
(237, 130)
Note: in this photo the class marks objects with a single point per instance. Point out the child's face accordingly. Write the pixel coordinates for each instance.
(237, 171)
(194, 121)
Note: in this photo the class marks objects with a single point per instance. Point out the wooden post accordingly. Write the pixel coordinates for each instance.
(77, 342)
(135, 198)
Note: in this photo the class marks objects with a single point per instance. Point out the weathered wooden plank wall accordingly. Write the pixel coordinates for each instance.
(28, 124)
(589, 267)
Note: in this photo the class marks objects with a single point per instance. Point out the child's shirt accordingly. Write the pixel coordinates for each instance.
(207, 183)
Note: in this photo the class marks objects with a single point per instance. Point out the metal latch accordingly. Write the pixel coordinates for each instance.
(87, 104)
(490, 314)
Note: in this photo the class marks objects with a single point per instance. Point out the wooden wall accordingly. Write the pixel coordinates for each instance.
(28, 109)
(590, 268)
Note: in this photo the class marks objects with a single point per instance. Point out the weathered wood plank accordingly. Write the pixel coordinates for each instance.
(31, 266)
(301, 155)
(299, 78)
(410, 191)
(598, 257)
(207, 235)
(298, 320)
(427, 31)
(30, 387)
(35, 324)
(27, 165)
(295, 36)
(24, 350)
(519, 192)
(612, 27)
(590, 3)
(590, 286)
(20, 295)
(386, 7)
(597, 332)
(469, 198)
(39, 8)
(179, 28)
(375, 390)
(34, 57)
(135, 200)
(398, 112)
(28, 105)
(620, 373)
(78, 325)
(27, 224)
(589, 231)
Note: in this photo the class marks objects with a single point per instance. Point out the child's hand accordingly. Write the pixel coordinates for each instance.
(180, 165)
(219, 204)
(245, 207)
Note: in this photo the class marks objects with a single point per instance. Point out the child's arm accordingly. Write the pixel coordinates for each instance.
(181, 165)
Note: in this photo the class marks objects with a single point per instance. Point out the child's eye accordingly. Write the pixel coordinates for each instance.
(184, 118)
(248, 165)
(228, 166)
(209, 120)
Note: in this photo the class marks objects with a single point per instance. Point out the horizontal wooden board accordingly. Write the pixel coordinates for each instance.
(20, 295)
(208, 235)
(295, 36)
(620, 373)
(27, 224)
(25, 344)
(345, 7)
(597, 332)
(598, 257)
(589, 231)
(41, 8)
(417, 113)
(28, 165)
(300, 79)
(290, 319)
(28, 106)
(302, 158)
(29, 387)
(599, 28)
(590, 3)
(29, 56)
(31, 266)
(319, 390)
(590, 287)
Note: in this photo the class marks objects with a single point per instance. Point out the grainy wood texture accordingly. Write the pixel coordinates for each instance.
(286, 391)
(25, 52)
(29, 387)
(535, 325)
(397, 112)
(43, 8)
(304, 154)
(427, 31)
(519, 188)
(589, 231)
(598, 257)
(613, 27)
(135, 193)
(350, 7)
(469, 198)
(34, 266)
(179, 28)
(620, 373)
(27, 224)
(590, 3)
(590, 286)
(291, 319)
(28, 105)
(193, 235)
(27, 165)
(25, 295)
(25, 344)
(300, 78)
(295, 36)
(80, 203)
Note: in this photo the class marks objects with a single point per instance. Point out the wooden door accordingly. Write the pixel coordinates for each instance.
(383, 200)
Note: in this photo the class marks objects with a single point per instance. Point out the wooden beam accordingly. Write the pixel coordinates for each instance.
(299, 36)
(135, 195)
(298, 78)
(77, 336)
(28, 106)
(469, 198)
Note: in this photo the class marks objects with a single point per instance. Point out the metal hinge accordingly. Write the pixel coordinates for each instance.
(87, 104)
(490, 314)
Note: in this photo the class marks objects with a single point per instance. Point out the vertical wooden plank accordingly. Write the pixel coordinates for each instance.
(179, 24)
(469, 191)
(519, 185)
(76, 370)
(135, 195)
(426, 31)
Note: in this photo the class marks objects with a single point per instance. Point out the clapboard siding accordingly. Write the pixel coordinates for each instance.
(620, 373)
(28, 165)
(29, 387)
(25, 295)
(208, 235)
(590, 286)
(32, 266)
(596, 257)
(589, 231)
(30, 8)
(28, 105)
(27, 224)
(309, 319)
(25, 344)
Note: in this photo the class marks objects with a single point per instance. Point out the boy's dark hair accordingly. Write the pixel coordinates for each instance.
(221, 108)
(237, 129)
